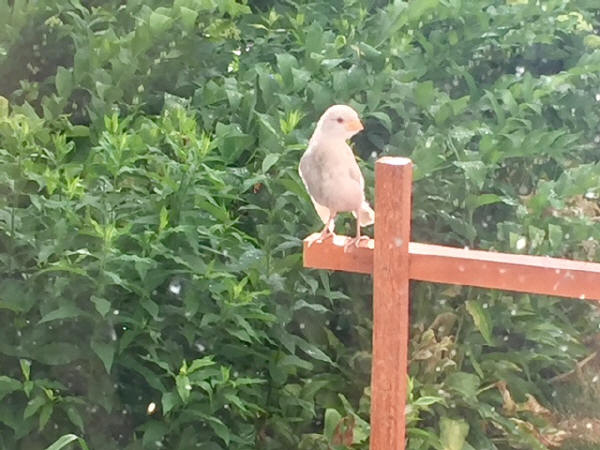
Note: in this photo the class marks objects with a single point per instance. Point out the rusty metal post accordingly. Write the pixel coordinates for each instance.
(393, 186)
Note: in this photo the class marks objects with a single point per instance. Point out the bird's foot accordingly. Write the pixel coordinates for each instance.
(354, 242)
(321, 237)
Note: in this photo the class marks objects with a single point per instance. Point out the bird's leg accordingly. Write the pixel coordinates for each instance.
(356, 239)
(326, 233)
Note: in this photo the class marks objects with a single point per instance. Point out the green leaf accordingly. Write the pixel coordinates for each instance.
(482, 320)
(164, 219)
(453, 433)
(536, 236)
(313, 306)
(169, 400)
(45, 414)
(555, 236)
(188, 18)
(475, 201)
(14, 296)
(34, 405)
(154, 431)
(65, 440)
(102, 305)
(8, 385)
(269, 161)
(220, 429)
(592, 41)
(64, 82)
(427, 400)
(105, 351)
(332, 418)
(464, 383)
(25, 368)
(424, 93)
(150, 306)
(3, 107)
(286, 63)
(313, 351)
(200, 363)
(75, 418)
(159, 23)
(67, 311)
(78, 131)
(475, 172)
(184, 388)
(383, 118)
(56, 354)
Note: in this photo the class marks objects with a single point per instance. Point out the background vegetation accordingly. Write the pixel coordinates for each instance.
(151, 217)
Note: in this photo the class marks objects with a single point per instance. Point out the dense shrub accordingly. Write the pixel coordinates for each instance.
(151, 217)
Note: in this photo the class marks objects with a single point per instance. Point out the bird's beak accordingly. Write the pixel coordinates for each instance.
(354, 125)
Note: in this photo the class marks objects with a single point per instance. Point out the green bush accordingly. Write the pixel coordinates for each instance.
(152, 293)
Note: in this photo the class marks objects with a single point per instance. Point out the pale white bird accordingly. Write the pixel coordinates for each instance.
(331, 175)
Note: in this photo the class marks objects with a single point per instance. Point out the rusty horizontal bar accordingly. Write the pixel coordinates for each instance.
(494, 270)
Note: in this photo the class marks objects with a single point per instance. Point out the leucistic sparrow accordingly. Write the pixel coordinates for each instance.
(331, 175)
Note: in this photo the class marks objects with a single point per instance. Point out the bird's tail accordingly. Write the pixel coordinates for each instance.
(366, 215)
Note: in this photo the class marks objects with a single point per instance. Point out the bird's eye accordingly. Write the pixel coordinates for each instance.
(339, 120)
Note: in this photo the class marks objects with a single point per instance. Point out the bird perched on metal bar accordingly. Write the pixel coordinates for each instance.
(331, 175)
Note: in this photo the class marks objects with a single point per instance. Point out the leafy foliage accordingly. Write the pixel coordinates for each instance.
(151, 218)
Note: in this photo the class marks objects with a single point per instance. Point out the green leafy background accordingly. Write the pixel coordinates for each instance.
(152, 293)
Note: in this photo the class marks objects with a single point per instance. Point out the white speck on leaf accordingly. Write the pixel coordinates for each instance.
(175, 287)
(590, 195)
(151, 408)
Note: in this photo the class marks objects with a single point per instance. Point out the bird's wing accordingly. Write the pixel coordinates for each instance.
(354, 172)
(322, 211)
(311, 181)
(366, 215)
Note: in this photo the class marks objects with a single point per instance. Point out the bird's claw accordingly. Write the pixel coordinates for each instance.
(321, 238)
(355, 241)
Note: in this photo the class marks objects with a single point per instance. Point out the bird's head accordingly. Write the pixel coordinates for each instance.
(340, 121)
